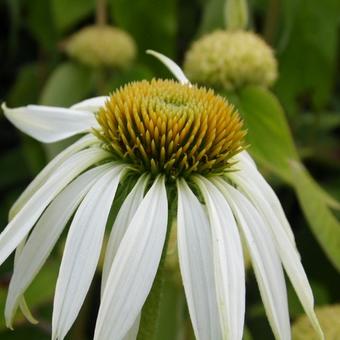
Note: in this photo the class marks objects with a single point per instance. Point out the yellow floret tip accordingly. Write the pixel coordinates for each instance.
(230, 60)
(98, 46)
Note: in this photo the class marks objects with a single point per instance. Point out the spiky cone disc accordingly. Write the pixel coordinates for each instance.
(165, 127)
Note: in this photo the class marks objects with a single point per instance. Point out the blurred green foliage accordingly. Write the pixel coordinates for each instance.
(305, 35)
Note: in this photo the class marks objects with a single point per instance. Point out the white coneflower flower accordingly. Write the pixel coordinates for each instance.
(167, 135)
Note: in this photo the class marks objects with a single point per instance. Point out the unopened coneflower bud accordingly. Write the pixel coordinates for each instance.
(230, 60)
(99, 46)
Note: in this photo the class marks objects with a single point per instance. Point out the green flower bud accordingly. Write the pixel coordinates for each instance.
(97, 46)
(329, 317)
(231, 59)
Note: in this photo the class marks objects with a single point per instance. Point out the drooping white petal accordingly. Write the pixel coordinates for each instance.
(91, 105)
(22, 301)
(172, 66)
(135, 265)
(24, 220)
(287, 251)
(265, 260)
(50, 124)
(251, 174)
(82, 251)
(26, 311)
(133, 331)
(228, 261)
(196, 264)
(44, 174)
(44, 236)
(124, 217)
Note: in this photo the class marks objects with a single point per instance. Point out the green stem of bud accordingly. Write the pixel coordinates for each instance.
(101, 12)
(236, 15)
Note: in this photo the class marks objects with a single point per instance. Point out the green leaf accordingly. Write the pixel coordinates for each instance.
(153, 24)
(328, 316)
(68, 84)
(69, 13)
(39, 293)
(269, 136)
(320, 192)
(314, 33)
(272, 145)
(324, 225)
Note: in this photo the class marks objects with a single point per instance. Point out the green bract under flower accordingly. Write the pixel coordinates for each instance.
(230, 60)
(102, 46)
(165, 127)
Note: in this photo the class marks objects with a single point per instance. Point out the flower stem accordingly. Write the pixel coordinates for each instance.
(270, 25)
(101, 12)
(151, 310)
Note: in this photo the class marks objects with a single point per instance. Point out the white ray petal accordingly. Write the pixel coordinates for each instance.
(26, 312)
(172, 66)
(123, 219)
(82, 251)
(265, 260)
(44, 236)
(228, 261)
(287, 251)
(251, 174)
(22, 301)
(135, 266)
(245, 157)
(196, 264)
(44, 174)
(133, 332)
(91, 105)
(50, 124)
(22, 223)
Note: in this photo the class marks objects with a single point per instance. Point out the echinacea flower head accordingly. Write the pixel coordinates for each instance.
(230, 60)
(161, 127)
(160, 137)
(102, 46)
